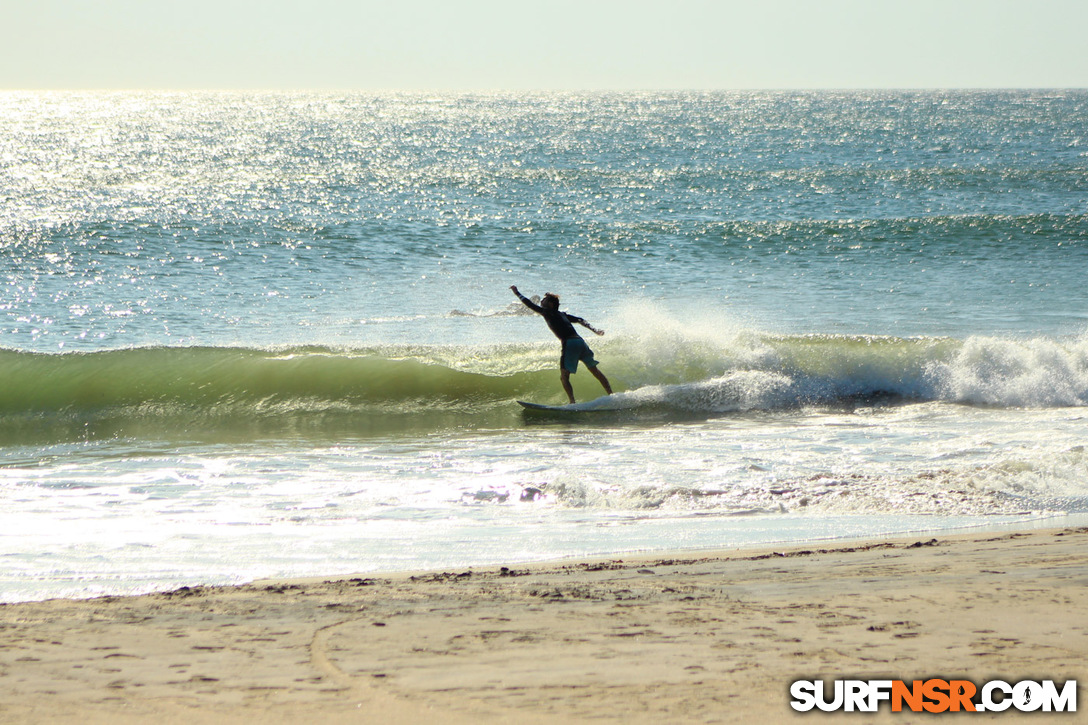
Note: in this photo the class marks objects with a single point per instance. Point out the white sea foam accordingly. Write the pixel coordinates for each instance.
(1035, 372)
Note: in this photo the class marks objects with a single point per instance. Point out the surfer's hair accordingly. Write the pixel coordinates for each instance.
(549, 300)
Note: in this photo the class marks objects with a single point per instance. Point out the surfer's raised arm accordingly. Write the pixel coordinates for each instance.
(528, 302)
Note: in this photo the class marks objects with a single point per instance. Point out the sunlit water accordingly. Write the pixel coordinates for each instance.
(248, 335)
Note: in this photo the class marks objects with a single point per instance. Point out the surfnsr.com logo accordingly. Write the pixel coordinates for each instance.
(934, 695)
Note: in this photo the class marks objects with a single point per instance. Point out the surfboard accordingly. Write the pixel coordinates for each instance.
(590, 406)
(548, 408)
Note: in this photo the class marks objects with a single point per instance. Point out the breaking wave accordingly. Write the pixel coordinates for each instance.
(392, 387)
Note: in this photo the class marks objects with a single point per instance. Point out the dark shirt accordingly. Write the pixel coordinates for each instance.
(559, 322)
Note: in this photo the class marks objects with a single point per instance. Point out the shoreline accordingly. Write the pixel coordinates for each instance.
(741, 550)
(737, 533)
(690, 636)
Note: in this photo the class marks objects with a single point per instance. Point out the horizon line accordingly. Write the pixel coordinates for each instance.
(482, 90)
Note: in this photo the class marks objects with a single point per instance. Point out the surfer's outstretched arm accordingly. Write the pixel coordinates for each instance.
(592, 329)
(526, 301)
(585, 324)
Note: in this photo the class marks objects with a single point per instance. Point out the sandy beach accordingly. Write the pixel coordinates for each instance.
(693, 637)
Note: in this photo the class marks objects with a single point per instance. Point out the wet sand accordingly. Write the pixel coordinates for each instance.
(691, 637)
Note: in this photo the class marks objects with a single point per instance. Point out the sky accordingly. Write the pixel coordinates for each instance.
(542, 44)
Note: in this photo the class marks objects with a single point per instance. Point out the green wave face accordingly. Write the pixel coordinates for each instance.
(388, 390)
(228, 391)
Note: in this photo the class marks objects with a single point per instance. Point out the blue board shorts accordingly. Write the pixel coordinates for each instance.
(575, 349)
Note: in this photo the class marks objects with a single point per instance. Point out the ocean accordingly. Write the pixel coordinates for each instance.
(250, 335)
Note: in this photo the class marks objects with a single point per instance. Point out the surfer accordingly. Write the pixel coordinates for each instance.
(574, 347)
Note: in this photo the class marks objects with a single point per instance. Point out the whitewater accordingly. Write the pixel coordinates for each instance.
(258, 335)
